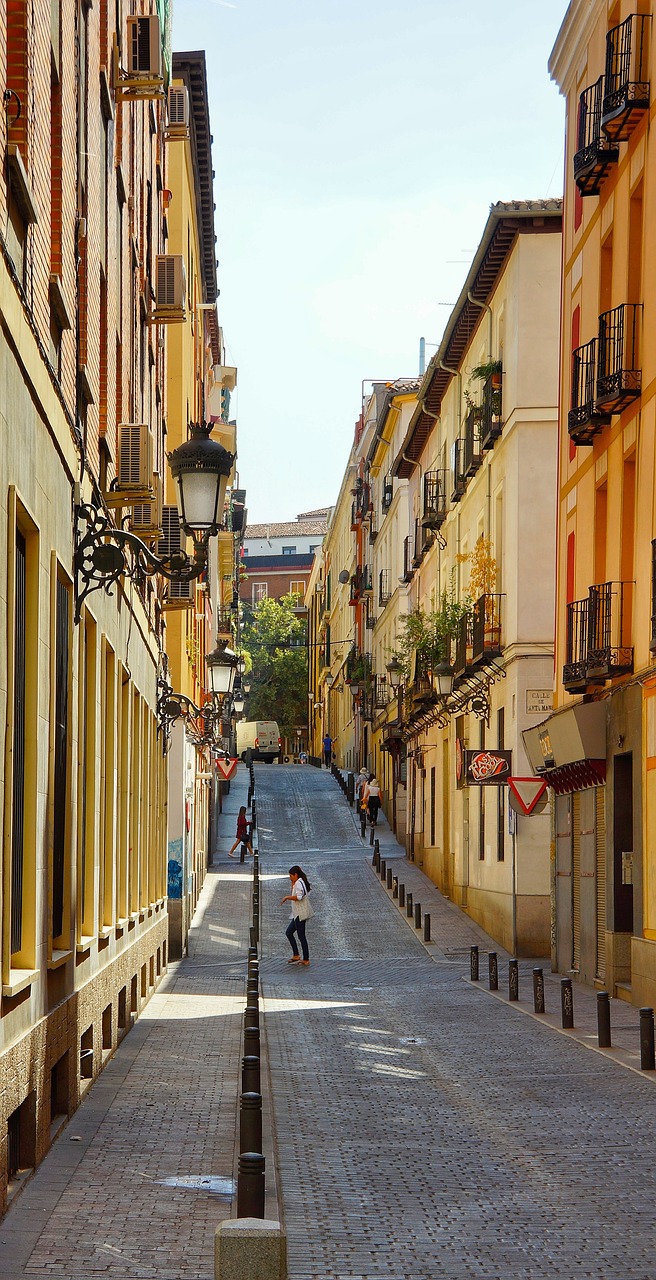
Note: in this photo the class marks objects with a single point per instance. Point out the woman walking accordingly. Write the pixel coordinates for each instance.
(301, 911)
(373, 796)
(243, 834)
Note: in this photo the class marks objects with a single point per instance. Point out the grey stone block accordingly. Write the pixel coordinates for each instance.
(250, 1249)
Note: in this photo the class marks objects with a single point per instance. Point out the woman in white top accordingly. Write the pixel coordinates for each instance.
(373, 797)
(296, 926)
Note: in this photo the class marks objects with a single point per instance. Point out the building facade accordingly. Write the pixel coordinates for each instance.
(277, 557)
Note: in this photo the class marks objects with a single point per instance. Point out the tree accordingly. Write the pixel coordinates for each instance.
(273, 638)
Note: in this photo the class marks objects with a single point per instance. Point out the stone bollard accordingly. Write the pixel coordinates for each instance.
(252, 999)
(252, 1248)
(566, 1004)
(251, 1016)
(493, 971)
(603, 1020)
(513, 980)
(250, 1122)
(389, 877)
(538, 991)
(252, 1042)
(473, 963)
(250, 1185)
(647, 1040)
(417, 915)
(427, 936)
(253, 938)
(408, 906)
(401, 895)
(252, 953)
(250, 1074)
(395, 887)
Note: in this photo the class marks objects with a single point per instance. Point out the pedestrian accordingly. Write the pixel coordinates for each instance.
(301, 912)
(360, 784)
(243, 833)
(327, 750)
(373, 796)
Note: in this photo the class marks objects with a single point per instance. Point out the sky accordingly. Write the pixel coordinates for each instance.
(358, 146)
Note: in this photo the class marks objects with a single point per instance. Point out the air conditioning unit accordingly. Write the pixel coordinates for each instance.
(134, 466)
(178, 104)
(144, 47)
(179, 595)
(146, 518)
(170, 286)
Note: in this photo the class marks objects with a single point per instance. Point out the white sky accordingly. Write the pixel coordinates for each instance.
(358, 145)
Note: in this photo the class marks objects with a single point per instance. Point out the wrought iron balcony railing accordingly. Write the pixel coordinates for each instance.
(619, 377)
(492, 410)
(472, 453)
(597, 637)
(435, 503)
(459, 482)
(388, 493)
(486, 628)
(463, 648)
(367, 580)
(585, 417)
(419, 546)
(626, 79)
(595, 153)
(384, 587)
(576, 646)
(408, 570)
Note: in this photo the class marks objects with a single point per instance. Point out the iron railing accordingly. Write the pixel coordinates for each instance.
(472, 453)
(492, 410)
(384, 587)
(595, 152)
(435, 503)
(459, 483)
(626, 89)
(463, 647)
(576, 645)
(486, 627)
(407, 559)
(388, 493)
(585, 418)
(618, 356)
(598, 633)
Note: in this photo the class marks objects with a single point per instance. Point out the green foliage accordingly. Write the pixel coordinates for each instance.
(273, 638)
(427, 638)
(485, 371)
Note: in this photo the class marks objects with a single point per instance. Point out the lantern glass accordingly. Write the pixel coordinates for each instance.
(444, 679)
(394, 671)
(221, 665)
(201, 468)
(238, 703)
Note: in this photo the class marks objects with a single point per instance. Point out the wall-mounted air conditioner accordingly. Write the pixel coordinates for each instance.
(134, 466)
(144, 46)
(178, 111)
(179, 595)
(170, 287)
(146, 517)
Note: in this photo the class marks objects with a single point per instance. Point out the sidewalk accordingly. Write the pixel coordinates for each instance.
(145, 1171)
(453, 933)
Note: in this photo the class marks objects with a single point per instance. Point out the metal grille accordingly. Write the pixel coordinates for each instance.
(384, 586)
(62, 625)
(18, 780)
(434, 499)
(600, 879)
(457, 468)
(626, 93)
(618, 372)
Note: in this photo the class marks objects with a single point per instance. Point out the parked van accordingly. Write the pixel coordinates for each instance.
(260, 737)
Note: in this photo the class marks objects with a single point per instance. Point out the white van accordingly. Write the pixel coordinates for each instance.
(260, 737)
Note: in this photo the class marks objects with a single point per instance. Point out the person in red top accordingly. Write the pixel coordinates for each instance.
(243, 833)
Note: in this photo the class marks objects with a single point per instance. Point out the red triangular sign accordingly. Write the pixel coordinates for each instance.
(226, 767)
(527, 792)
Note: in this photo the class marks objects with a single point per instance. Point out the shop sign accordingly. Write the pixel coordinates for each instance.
(487, 768)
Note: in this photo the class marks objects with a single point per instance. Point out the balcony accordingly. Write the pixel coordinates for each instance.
(585, 417)
(463, 656)
(486, 628)
(420, 546)
(459, 482)
(367, 580)
(492, 410)
(356, 586)
(435, 504)
(595, 153)
(388, 493)
(408, 570)
(598, 629)
(384, 587)
(619, 377)
(472, 452)
(626, 94)
(381, 692)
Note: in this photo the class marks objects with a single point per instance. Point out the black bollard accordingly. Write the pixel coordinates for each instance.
(371, 836)
(417, 915)
(377, 847)
(250, 1074)
(252, 1042)
(382, 870)
(493, 971)
(538, 991)
(603, 1020)
(375, 861)
(250, 1122)
(566, 1004)
(401, 895)
(252, 983)
(389, 877)
(426, 927)
(647, 1040)
(250, 1185)
(395, 887)
(473, 963)
(408, 906)
(513, 980)
(252, 937)
(252, 953)
(363, 822)
(252, 999)
(251, 1016)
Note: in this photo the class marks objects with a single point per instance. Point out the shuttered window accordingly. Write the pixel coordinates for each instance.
(600, 867)
(62, 629)
(18, 780)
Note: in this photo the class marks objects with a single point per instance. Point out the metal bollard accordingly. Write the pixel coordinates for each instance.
(389, 877)
(377, 847)
(408, 906)
(252, 937)
(250, 1074)
(566, 1004)
(603, 1020)
(250, 1122)
(513, 980)
(251, 1016)
(253, 983)
(252, 1042)
(493, 971)
(252, 999)
(418, 915)
(250, 1185)
(252, 953)
(401, 895)
(375, 861)
(647, 1040)
(382, 869)
(371, 836)
(473, 963)
(538, 991)
(395, 887)
(427, 936)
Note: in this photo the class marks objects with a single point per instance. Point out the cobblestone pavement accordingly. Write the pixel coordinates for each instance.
(426, 1128)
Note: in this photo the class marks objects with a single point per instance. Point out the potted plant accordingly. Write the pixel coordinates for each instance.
(483, 573)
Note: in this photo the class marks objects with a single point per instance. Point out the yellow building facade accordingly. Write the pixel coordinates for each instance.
(598, 750)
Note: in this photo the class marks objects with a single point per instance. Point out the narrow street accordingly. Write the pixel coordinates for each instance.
(418, 1127)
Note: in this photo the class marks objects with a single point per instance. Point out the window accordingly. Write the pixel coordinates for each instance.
(314, 547)
(61, 767)
(289, 551)
(260, 592)
(297, 589)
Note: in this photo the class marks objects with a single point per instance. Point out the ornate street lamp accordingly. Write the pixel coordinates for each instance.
(394, 671)
(201, 468)
(443, 676)
(221, 668)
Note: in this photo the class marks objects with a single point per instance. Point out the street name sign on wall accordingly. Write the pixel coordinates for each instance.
(226, 767)
(487, 768)
(527, 795)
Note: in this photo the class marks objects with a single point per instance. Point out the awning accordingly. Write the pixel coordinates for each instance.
(568, 749)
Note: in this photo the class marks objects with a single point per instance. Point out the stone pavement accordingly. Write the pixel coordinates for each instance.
(144, 1172)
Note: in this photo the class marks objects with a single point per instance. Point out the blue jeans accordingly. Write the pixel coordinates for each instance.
(297, 926)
